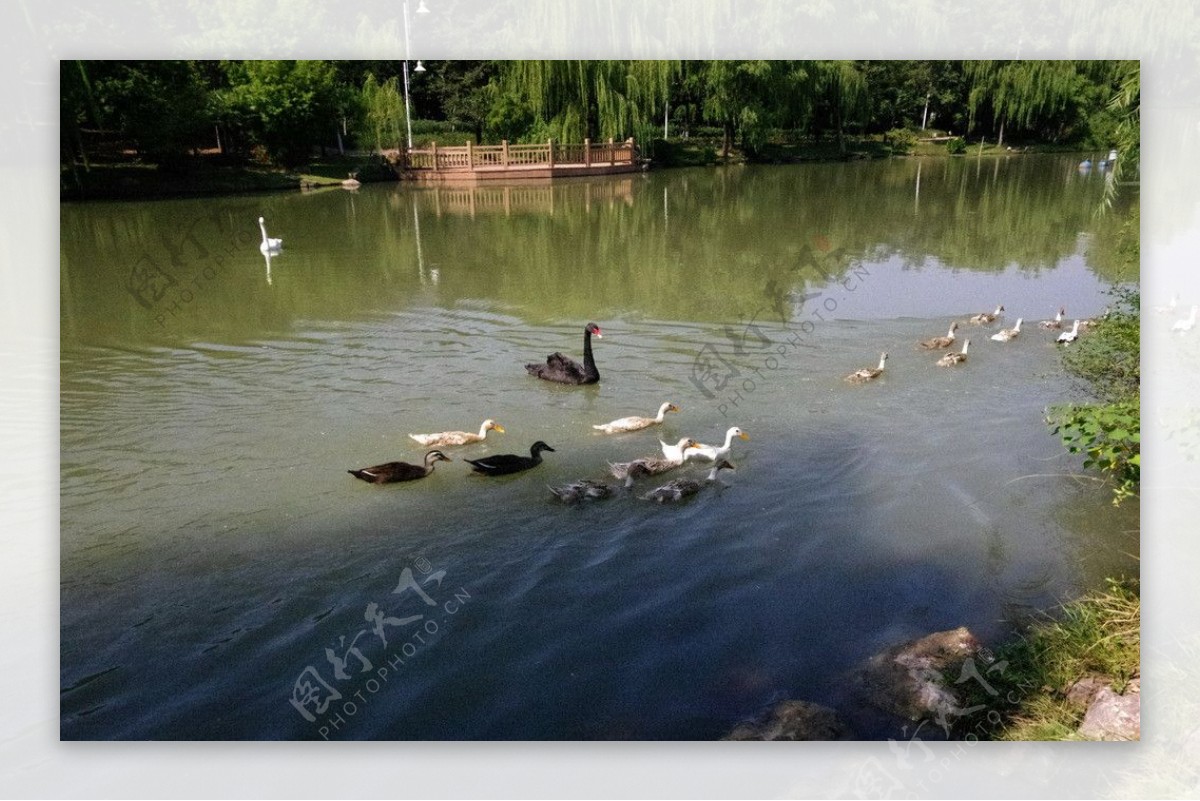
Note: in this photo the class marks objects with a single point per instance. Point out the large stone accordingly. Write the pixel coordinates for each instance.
(917, 679)
(795, 720)
(1113, 717)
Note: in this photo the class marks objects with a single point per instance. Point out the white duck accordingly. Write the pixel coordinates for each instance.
(1008, 333)
(1183, 326)
(983, 317)
(269, 245)
(951, 359)
(457, 437)
(680, 488)
(1067, 337)
(1170, 307)
(868, 373)
(675, 452)
(713, 453)
(1056, 323)
(636, 423)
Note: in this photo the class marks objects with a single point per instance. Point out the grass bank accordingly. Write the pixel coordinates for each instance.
(1094, 638)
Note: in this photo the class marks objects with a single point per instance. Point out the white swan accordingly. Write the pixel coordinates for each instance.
(1183, 326)
(1067, 337)
(951, 359)
(636, 423)
(1008, 333)
(713, 453)
(680, 488)
(269, 245)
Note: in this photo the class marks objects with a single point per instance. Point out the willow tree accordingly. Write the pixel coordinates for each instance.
(383, 110)
(843, 87)
(574, 100)
(749, 98)
(1025, 94)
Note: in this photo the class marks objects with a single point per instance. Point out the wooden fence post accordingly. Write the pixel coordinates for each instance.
(550, 145)
(612, 152)
(504, 152)
(471, 155)
(435, 159)
(587, 152)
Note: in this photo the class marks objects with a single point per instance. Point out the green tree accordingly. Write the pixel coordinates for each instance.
(383, 112)
(284, 106)
(159, 106)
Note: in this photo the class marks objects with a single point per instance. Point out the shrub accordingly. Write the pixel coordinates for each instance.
(901, 140)
(956, 146)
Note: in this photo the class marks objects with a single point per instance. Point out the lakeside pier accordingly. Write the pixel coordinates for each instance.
(473, 163)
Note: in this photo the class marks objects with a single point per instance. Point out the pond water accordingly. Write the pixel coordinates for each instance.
(222, 576)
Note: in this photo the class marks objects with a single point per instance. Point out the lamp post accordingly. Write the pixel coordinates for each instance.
(421, 9)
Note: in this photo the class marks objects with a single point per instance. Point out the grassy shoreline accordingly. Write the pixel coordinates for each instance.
(1095, 639)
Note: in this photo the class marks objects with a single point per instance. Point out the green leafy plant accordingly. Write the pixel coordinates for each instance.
(956, 146)
(1110, 438)
(1107, 360)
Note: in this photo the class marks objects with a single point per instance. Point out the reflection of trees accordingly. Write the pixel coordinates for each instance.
(693, 244)
(715, 244)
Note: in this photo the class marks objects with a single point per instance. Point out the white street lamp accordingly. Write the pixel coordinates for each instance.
(421, 9)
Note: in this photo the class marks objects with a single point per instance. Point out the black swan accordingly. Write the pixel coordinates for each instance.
(566, 370)
(510, 463)
(399, 471)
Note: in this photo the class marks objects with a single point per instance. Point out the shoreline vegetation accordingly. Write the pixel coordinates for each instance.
(212, 175)
(143, 129)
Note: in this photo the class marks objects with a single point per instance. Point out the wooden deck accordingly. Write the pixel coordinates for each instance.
(474, 164)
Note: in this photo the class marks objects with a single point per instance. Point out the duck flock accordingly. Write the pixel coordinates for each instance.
(562, 369)
(565, 370)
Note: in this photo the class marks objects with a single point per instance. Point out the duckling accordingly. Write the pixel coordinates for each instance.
(941, 342)
(680, 488)
(446, 438)
(510, 463)
(589, 489)
(715, 453)
(1008, 334)
(1056, 323)
(636, 423)
(951, 359)
(1067, 337)
(867, 373)
(399, 471)
(983, 318)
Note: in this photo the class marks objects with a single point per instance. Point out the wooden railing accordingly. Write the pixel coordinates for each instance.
(503, 156)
